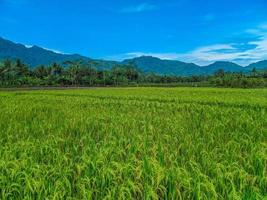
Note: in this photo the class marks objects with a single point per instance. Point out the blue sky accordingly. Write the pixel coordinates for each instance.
(200, 31)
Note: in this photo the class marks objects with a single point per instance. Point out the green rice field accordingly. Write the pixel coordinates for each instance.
(133, 143)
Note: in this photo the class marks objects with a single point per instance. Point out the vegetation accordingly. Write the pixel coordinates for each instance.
(17, 74)
(138, 143)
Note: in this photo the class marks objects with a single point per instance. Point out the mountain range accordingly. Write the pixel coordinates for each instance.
(34, 56)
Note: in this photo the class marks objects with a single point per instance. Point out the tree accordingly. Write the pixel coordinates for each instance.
(116, 72)
(20, 68)
(56, 70)
(131, 73)
(220, 73)
(41, 71)
(73, 71)
(254, 72)
(6, 67)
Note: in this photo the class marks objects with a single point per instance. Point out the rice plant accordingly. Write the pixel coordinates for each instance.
(133, 143)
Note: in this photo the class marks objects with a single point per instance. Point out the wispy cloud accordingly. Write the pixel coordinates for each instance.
(48, 49)
(242, 53)
(28, 46)
(54, 50)
(139, 8)
(164, 56)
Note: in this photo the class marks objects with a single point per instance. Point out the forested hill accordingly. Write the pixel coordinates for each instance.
(35, 56)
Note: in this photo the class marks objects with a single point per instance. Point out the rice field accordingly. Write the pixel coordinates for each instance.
(133, 143)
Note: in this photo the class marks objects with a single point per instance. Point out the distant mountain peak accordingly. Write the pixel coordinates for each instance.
(224, 62)
(35, 47)
(145, 57)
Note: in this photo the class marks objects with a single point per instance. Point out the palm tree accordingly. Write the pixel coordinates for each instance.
(74, 69)
(41, 71)
(56, 69)
(254, 72)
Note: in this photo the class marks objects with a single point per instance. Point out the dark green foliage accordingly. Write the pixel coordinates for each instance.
(79, 73)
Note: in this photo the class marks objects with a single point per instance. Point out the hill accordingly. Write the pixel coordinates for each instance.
(226, 66)
(34, 55)
(261, 65)
(158, 66)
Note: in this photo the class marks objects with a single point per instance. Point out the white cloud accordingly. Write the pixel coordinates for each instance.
(241, 53)
(139, 8)
(48, 49)
(54, 50)
(28, 46)
(120, 57)
(208, 54)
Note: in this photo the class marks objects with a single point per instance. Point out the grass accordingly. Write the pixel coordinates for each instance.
(139, 143)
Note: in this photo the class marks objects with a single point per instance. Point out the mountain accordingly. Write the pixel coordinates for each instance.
(158, 66)
(226, 66)
(261, 65)
(34, 56)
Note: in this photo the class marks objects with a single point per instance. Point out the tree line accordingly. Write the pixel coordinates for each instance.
(77, 73)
